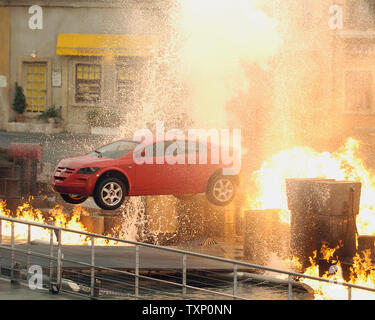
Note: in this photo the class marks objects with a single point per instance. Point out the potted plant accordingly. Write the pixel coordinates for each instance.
(19, 103)
(50, 115)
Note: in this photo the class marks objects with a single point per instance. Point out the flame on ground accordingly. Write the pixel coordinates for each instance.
(56, 217)
(361, 273)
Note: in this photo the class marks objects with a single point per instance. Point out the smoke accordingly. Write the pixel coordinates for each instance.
(202, 63)
(219, 38)
(239, 64)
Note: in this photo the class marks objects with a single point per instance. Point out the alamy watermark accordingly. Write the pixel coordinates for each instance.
(35, 277)
(336, 20)
(198, 146)
(36, 18)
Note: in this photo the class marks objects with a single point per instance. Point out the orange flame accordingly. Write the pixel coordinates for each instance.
(56, 217)
(361, 273)
(302, 162)
(344, 164)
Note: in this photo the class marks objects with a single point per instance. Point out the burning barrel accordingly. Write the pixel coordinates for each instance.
(323, 211)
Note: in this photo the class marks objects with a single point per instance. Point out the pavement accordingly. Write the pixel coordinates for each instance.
(9, 291)
(121, 257)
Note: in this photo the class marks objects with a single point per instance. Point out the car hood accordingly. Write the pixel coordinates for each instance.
(82, 161)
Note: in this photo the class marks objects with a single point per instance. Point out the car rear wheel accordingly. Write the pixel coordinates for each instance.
(74, 198)
(110, 193)
(221, 190)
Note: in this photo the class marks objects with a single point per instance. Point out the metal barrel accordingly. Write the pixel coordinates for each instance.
(323, 211)
(31, 151)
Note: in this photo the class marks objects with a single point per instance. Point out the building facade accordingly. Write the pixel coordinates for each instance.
(77, 56)
(82, 56)
(355, 66)
(323, 85)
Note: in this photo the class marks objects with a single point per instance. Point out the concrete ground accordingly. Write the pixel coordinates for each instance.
(10, 291)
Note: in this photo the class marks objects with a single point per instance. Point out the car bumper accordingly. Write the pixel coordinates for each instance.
(73, 184)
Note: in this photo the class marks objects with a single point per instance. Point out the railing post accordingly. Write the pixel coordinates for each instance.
(1, 241)
(184, 276)
(98, 283)
(290, 287)
(235, 281)
(59, 262)
(136, 271)
(28, 250)
(92, 286)
(349, 293)
(12, 251)
(51, 232)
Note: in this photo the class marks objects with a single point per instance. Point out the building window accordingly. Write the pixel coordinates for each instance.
(88, 83)
(361, 14)
(127, 77)
(358, 91)
(36, 86)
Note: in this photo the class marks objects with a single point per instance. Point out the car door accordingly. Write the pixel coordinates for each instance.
(174, 168)
(197, 172)
(159, 176)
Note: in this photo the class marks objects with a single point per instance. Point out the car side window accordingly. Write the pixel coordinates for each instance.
(115, 150)
(183, 147)
(153, 149)
(150, 150)
(167, 149)
(194, 147)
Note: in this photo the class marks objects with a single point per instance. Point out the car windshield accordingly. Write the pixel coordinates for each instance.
(115, 150)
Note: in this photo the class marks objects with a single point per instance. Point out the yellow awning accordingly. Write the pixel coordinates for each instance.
(78, 44)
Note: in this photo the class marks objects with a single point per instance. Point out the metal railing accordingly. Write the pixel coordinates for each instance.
(95, 281)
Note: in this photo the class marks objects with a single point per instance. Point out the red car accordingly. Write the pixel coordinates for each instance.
(112, 172)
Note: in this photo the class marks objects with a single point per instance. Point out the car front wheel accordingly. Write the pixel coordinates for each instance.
(110, 193)
(74, 198)
(221, 190)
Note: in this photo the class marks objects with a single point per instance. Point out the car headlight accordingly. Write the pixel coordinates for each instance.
(88, 170)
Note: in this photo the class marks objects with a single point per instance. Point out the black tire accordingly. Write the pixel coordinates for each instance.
(74, 198)
(100, 193)
(219, 198)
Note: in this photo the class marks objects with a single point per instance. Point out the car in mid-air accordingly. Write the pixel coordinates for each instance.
(111, 173)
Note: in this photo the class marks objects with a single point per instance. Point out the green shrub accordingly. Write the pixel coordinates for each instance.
(51, 112)
(19, 103)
